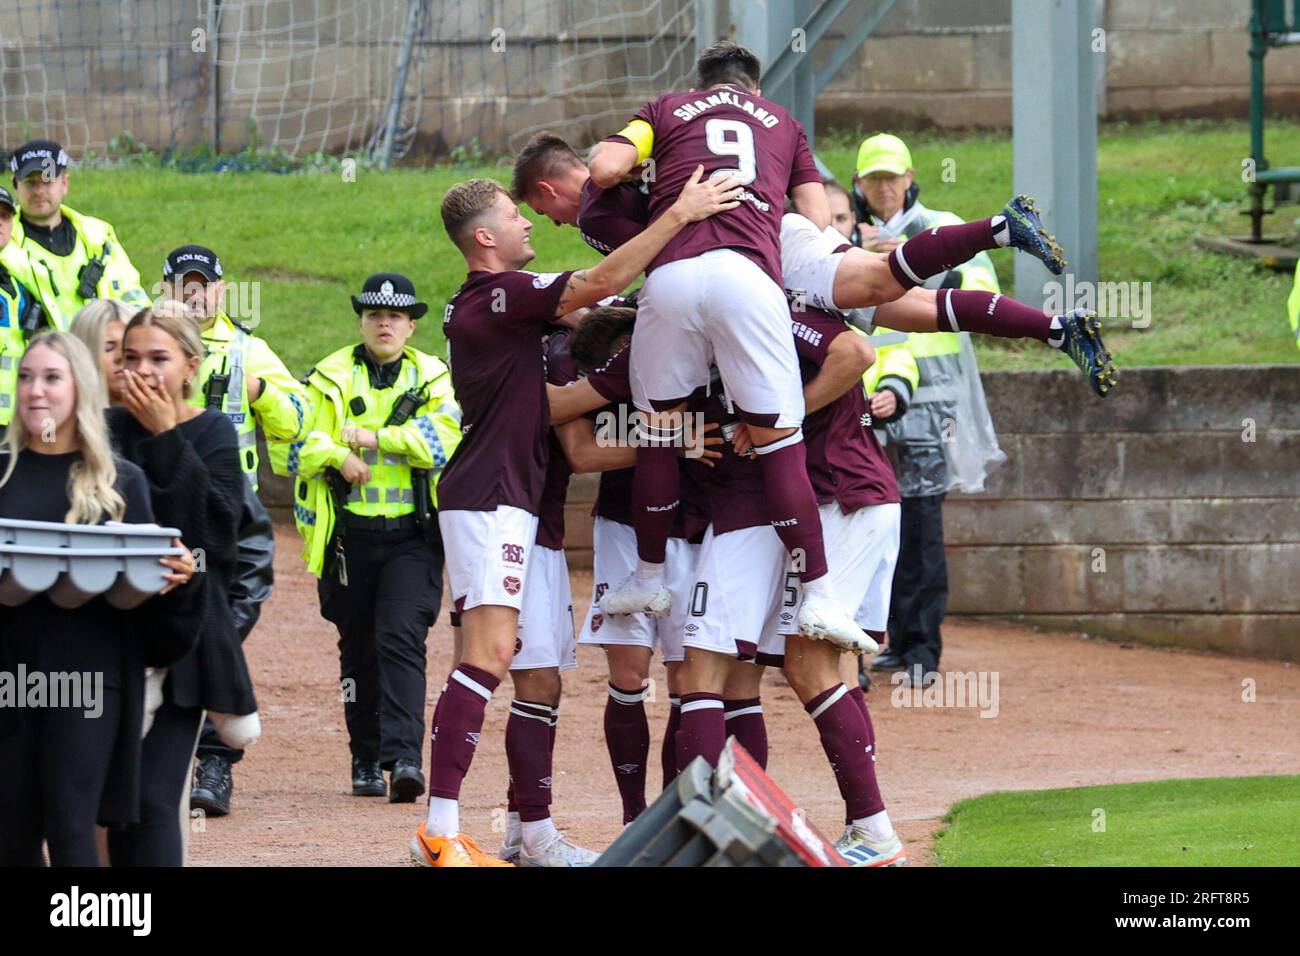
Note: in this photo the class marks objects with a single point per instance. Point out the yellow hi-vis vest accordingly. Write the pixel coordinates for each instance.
(426, 441)
(14, 299)
(59, 276)
(232, 350)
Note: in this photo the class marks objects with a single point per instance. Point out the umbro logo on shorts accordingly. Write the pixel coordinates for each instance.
(626, 768)
(692, 627)
(596, 621)
(511, 584)
(519, 645)
(544, 783)
(471, 737)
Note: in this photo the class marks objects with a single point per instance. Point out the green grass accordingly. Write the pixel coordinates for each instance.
(310, 239)
(1227, 821)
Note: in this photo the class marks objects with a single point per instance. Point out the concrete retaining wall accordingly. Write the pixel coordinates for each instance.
(1168, 513)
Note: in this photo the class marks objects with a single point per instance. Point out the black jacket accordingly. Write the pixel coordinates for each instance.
(196, 484)
(254, 569)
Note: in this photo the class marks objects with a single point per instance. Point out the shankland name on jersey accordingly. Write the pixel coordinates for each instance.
(688, 111)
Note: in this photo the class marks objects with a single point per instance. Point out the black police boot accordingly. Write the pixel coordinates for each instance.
(367, 779)
(887, 660)
(406, 783)
(213, 785)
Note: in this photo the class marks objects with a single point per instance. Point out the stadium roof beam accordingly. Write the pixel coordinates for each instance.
(1056, 58)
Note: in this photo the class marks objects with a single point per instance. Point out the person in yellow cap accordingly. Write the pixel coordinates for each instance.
(947, 404)
(75, 257)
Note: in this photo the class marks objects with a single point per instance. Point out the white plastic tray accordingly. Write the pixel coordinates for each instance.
(74, 563)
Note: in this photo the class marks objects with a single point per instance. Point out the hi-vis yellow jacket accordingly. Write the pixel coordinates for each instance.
(57, 277)
(232, 350)
(427, 440)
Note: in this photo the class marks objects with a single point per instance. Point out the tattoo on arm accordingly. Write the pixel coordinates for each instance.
(577, 283)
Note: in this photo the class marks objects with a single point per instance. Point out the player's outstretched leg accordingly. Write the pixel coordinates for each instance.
(943, 248)
(1077, 333)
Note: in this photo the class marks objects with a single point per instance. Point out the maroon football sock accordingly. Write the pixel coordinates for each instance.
(627, 735)
(528, 753)
(792, 504)
(937, 250)
(844, 738)
(458, 721)
(988, 313)
(656, 489)
(703, 729)
(860, 699)
(744, 721)
(668, 754)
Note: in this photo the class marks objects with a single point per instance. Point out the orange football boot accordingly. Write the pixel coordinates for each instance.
(438, 851)
(477, 854)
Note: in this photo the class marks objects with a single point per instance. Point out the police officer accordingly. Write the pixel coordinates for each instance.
(946, 439)
(240, 373)
(383, 423)
(21, 311)
(75, 257)
(242, 377)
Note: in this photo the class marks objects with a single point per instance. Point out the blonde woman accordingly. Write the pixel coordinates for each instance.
(100, 324)
(66, 767)
(189, 456)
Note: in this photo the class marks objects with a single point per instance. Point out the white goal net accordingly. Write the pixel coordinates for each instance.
(420, 76)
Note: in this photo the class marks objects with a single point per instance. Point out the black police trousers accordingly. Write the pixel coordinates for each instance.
(383, 614)
(920, 593)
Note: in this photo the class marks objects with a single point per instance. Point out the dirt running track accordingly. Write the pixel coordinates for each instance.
(1071, 712)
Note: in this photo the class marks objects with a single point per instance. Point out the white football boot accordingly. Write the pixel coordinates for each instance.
(824, 620)
(858, 849)
(632, 596)
(561, 851)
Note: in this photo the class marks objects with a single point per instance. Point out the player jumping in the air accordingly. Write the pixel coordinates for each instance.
(717, 290)
(490, 490)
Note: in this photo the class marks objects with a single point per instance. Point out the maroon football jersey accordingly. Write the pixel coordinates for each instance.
(560, 370)
(607, 218)
(494, 326)
(614, 499)
(845, 461)
(727, 129)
